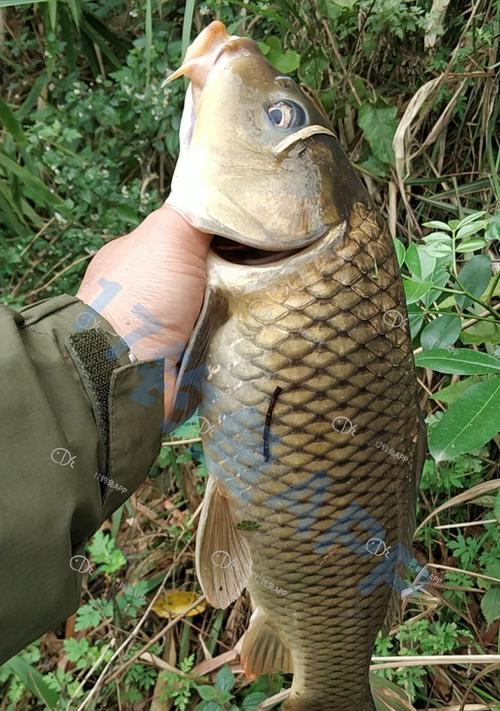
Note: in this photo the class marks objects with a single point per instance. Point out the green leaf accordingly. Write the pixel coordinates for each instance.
(467, 220)
(492, 567)
(471, 246)
(34, 93)
(11, 123)
(225, 679)
(441, 332)
(453, 392)
(400, 251)
(496, 508)
(461, 362)
(33, 681)
(378, 123)
(388, 696)
(412, 260)
(75, 11)
(482, 332)
(471, 229)
(469, 423)
(208, 693)
(438, 249)
(76, 649)
(493, 230)
(100, 40)
(148, 34)
(187, 26)
(438, 225)
(428, 265)
(349, 4)
(15, 3)
(474, 277)
(415, 319)
(104, 552)
(414, 290)
(490, 605)
(374, 166)
(287, 62)
(437, 237)
(87, 616)
(209, 706)
(42, 193)
(252, 701)
(52, 13)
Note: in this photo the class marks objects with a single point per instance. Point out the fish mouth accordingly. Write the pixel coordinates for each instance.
(237, 253)
(240, 269)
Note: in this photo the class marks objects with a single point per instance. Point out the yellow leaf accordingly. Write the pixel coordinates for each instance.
(175, 602)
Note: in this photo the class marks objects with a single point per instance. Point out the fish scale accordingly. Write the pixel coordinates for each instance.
(363, 370)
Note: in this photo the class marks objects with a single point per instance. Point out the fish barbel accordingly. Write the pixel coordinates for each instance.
(314, 441)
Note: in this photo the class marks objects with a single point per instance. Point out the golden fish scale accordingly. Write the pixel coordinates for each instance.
(363, 371)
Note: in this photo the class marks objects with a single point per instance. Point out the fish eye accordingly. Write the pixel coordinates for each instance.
(287, 114)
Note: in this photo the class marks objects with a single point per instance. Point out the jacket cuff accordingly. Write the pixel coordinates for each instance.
(126, 398)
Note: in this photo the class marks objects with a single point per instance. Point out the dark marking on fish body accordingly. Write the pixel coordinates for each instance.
(267, 425)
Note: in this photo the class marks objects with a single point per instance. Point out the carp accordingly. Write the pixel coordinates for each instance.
(314, 441)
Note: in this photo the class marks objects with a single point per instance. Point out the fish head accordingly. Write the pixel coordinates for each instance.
(259, 165)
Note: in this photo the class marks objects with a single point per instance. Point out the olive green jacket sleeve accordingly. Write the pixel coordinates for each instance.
(80, 426)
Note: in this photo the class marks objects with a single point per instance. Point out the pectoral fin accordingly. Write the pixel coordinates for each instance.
(262, 651)
(223, 562)
(187, 392)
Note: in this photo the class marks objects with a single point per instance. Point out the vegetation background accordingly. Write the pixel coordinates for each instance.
(88, 144)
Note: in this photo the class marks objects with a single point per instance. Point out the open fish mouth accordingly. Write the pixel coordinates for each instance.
(237, 253)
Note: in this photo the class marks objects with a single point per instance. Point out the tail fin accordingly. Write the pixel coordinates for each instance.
(262, 651)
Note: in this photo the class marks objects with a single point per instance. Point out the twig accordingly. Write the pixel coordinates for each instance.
(433, 660)
(339, 59)
(466, 572)
(56, 276)
(180, 441)
(469, 523)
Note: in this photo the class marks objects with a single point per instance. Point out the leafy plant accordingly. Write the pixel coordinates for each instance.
(473, 416)
(105, 554)
(218, 697)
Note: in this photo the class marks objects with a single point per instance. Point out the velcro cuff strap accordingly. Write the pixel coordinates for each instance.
(128, 406)
(96, 359)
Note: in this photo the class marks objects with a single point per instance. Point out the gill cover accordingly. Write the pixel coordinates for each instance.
(258, 161)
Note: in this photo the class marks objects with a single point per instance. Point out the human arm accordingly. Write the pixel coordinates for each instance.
(77, 434)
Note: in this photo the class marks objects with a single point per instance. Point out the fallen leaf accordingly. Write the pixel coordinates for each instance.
(175, 602)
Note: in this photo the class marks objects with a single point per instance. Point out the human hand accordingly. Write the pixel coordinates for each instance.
(160, 267)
